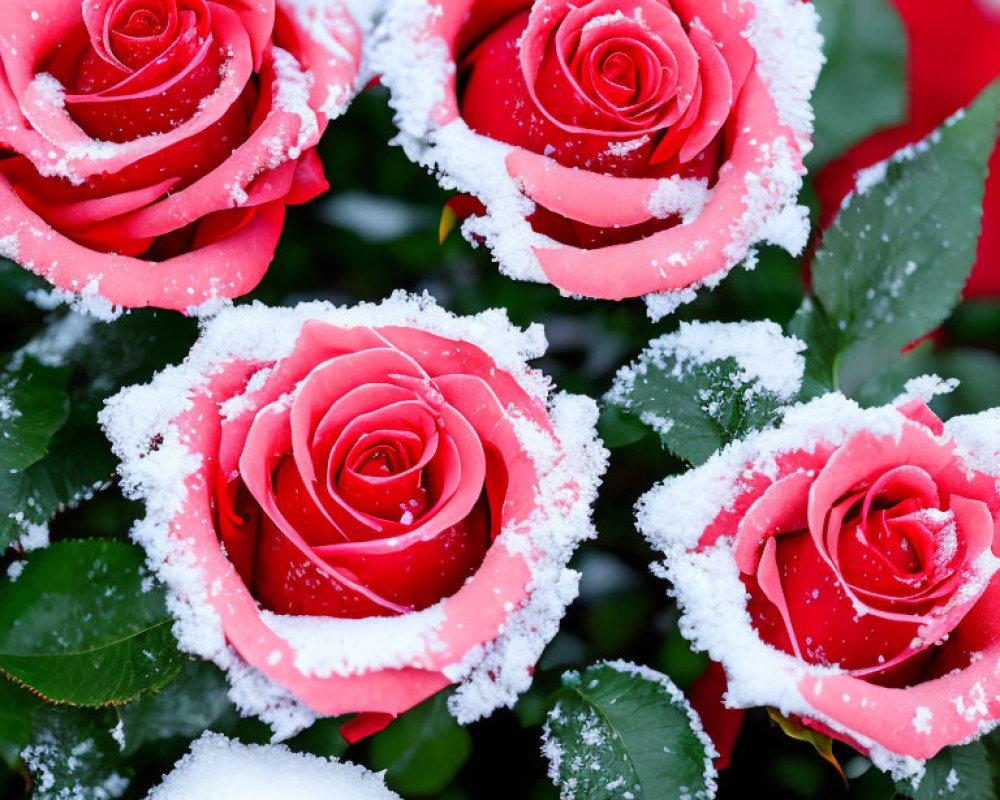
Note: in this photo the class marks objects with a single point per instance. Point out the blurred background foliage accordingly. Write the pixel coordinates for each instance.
(377, 231)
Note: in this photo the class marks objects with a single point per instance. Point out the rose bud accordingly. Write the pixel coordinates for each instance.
(148, 148)
(842, 568)
(357, 507)
(619, 148)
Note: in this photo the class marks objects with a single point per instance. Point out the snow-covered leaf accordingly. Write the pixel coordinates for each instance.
(33, 406)
(74, 756)
(961, 773)
(710, 384)
(422, 750)
(892, 266)
(622, 731)
(83, 624)
(79, 461)
(863, 85)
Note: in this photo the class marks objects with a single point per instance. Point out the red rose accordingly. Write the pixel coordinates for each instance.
(970, 45)
(852, 561)
(360, 501)
(148, 148)
(649, 143)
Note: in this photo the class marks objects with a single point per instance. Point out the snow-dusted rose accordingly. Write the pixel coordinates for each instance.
(621, 147)
(148, 148)
(843, 569)
(366, 504)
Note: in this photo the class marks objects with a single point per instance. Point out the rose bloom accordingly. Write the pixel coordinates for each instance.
(843, 569)
(148, 148)
(649, 142)
(948, 65)
(366, 505)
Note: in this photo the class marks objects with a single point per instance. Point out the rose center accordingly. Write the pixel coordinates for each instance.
(895, 545)
(380, 461)
(620, 70)
(143, 24)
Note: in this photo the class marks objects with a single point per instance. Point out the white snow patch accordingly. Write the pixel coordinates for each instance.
(922, 720)
(217, 768)
(926, 388)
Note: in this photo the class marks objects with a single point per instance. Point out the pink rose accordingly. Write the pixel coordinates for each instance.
(148, 148)
(359, 501)
(852, 559)
(619, 148)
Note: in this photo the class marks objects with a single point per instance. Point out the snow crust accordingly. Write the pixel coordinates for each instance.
(489, 675)
(419, 69)
(218, 768)
(707, 585)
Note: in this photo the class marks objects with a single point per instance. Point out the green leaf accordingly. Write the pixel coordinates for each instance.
(978, 373)
(17, 705)
(15, 283)
(33, 406)
(129, 350)
(794, 728)
(811, 325)
(97, 359)
(193, 702)
(83, 624)
(863, 85)
(78, 462)
(73, 755)
(892, 266)
(615, 729)
(422, 750)
(322, 738)
(964, 773)
(618, 429)
(700, 404)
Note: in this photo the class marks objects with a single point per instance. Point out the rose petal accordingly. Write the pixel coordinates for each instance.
(780, 509)
(229, 267)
